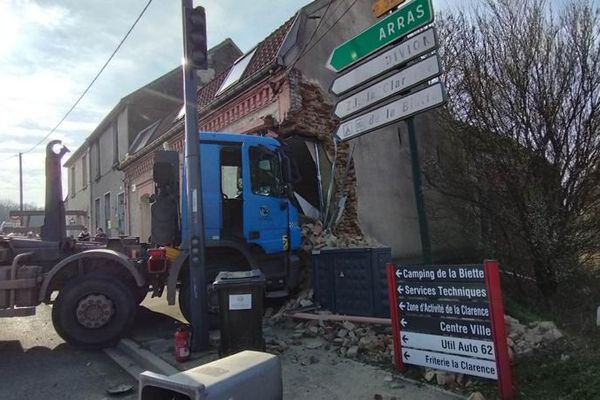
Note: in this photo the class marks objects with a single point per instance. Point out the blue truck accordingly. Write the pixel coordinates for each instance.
(250, 221)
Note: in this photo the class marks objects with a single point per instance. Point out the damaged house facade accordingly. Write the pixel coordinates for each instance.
(362, 189)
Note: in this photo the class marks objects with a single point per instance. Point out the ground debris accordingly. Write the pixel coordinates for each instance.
(523, 339)
(316, 237)
(119, 389)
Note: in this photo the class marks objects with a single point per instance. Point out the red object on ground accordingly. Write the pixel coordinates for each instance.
(182, 344)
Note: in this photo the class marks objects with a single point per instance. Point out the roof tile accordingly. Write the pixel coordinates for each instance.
(265, 56)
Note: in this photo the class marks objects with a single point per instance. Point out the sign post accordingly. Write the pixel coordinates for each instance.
(394, 96)
(450, 318)
(380, 7)
(418, 188)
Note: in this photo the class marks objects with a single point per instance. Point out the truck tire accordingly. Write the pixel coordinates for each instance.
(94, 311)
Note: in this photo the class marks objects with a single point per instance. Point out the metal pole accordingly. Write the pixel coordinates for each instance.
(195, 244)
(418, 187)
(21, 181)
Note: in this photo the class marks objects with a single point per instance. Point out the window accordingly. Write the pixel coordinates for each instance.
(107, 213)
(98, 164)
(121, 213)
(115, 141)
(236, 72)
(231, 181)
(265, 172)
(142, 138)
(84, 174)
(97, 218)
(72, 179)
(231, 172)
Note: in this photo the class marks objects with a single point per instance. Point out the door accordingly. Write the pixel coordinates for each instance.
(231, 192)
(121, 213)
(265, 202)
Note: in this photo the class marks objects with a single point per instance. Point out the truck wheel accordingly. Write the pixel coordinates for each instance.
(184, 307)
(94, 311)
(140, 294)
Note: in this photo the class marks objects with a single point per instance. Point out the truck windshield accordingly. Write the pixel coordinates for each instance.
(265, 172)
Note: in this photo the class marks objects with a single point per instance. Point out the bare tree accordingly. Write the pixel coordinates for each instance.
(6, 206)
(524, 123)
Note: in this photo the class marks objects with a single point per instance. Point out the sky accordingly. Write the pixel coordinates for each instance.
(51, 49)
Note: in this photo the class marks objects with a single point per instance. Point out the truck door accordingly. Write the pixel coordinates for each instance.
(231, 192)
(265, 201)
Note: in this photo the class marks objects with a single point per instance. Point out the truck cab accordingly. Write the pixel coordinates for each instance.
(250, 220)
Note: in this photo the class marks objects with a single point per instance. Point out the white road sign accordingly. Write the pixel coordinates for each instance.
(407, 78)
(447, 362)
(407, 50)
(417, 102)
(451, 345)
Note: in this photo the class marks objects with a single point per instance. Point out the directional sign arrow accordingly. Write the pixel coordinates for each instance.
(400, 290)
(399, 274)
(449, 326)
(446, 344)
(402, 305)
(401, 53)
(449, 362)
(397, 110)
(414, 15)
(401, 81)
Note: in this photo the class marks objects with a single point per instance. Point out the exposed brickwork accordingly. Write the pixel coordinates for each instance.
(314, 118)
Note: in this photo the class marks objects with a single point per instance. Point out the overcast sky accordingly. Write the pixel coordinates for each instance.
(51, 49)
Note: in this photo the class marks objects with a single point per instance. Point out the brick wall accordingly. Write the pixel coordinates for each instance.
(310, 115)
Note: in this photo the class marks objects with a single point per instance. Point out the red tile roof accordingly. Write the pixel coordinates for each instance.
(264, 57)
(206, 93)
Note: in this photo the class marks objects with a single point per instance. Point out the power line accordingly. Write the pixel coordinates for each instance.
(93, 80)
(305, 50)
(316, 29)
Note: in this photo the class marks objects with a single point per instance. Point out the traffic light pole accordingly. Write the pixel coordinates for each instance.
(195, 244)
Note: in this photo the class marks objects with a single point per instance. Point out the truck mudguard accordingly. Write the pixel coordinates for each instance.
(105, 254)
(182, 259)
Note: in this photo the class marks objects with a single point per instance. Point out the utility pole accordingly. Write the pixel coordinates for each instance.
(418, 187)
(21, 186)
(194, 48)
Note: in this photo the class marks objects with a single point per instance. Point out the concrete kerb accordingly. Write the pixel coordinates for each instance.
(135, 359)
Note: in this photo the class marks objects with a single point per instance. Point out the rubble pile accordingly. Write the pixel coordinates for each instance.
(523, 339)
(316, 237)
(368, 343)
(373, 344)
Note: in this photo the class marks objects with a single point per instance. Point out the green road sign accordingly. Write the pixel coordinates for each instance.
(410, 17)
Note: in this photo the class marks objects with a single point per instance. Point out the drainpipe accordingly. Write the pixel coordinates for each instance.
(319, 180)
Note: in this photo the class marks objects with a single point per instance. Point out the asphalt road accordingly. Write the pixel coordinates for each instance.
(36, 364)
